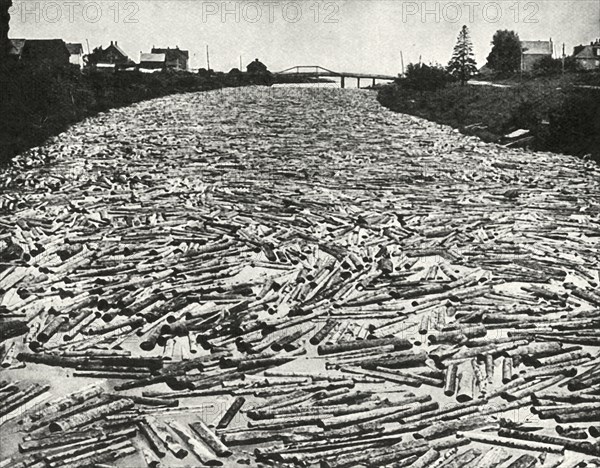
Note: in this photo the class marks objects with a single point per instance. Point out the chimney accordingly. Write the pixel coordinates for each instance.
(111, 42)
(116, 43)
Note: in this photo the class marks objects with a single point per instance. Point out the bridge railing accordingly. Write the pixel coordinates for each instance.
(315, 68)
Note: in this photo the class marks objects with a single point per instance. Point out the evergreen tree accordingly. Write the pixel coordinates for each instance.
(462, 65)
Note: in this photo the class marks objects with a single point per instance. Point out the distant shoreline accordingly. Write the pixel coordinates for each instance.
(42, 102)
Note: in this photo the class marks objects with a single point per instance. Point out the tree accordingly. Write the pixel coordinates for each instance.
(421, 77)
(505, 56)
(462, 66)
(91, 60)
(551, 66)
(4, 27)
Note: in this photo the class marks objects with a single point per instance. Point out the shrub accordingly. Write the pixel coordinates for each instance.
(575, 124)
(423, 77)
(547, 66)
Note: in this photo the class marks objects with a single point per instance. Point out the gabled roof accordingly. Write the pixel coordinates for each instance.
(172, 54)
(116, 46)
(588, 52)
(536, 47)
(152, 58)
(75, 49)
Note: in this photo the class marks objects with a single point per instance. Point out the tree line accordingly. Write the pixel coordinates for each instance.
(504, 60)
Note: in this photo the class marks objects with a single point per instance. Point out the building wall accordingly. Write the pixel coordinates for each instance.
(177, 64)
(530, 60)
(77, 60)
(152, 65)
(589, 64)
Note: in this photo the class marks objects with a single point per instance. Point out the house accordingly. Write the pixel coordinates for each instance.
(257, 68)
(111, 57)
(533, 51)
(76, 51)
(175, 59)
(47, 51)
(153, 62)
(588, 57)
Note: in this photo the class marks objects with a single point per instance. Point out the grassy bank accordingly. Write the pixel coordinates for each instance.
(561, 117)
(39, 102)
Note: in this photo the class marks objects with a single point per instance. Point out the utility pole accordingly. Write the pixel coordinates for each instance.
(240, 63)
(207, 59)
(522, 62)
(402, 61)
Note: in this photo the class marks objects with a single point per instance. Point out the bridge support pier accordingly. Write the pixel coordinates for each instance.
(343, 82)
(373, 82)
(358, 83)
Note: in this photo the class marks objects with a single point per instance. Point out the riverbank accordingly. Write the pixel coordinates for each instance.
(40, 102)
(559, 116)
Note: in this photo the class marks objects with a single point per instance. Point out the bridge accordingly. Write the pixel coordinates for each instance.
(316, 71)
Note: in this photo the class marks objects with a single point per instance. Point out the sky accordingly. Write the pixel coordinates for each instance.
(342, 35)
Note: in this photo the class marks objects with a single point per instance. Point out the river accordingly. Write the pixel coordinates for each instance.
(272, 211)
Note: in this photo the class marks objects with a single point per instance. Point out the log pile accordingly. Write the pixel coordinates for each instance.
(365, 289)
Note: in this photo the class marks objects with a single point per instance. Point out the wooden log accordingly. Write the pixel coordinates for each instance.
(398, 343)
(323, 332)
(50, 329)
(155, 442)
(22, 397)
(231, 412)
(513, 443)
(450, 377)
(197, 448)
(574, 445)
(90, 415)
(210, 438)
(524, 461)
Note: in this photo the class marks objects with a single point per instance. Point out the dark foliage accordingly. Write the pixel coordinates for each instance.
(4, 27)
(422, 78)
(505, 56)
(566, 120)
(550, 66)
(575, 124)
